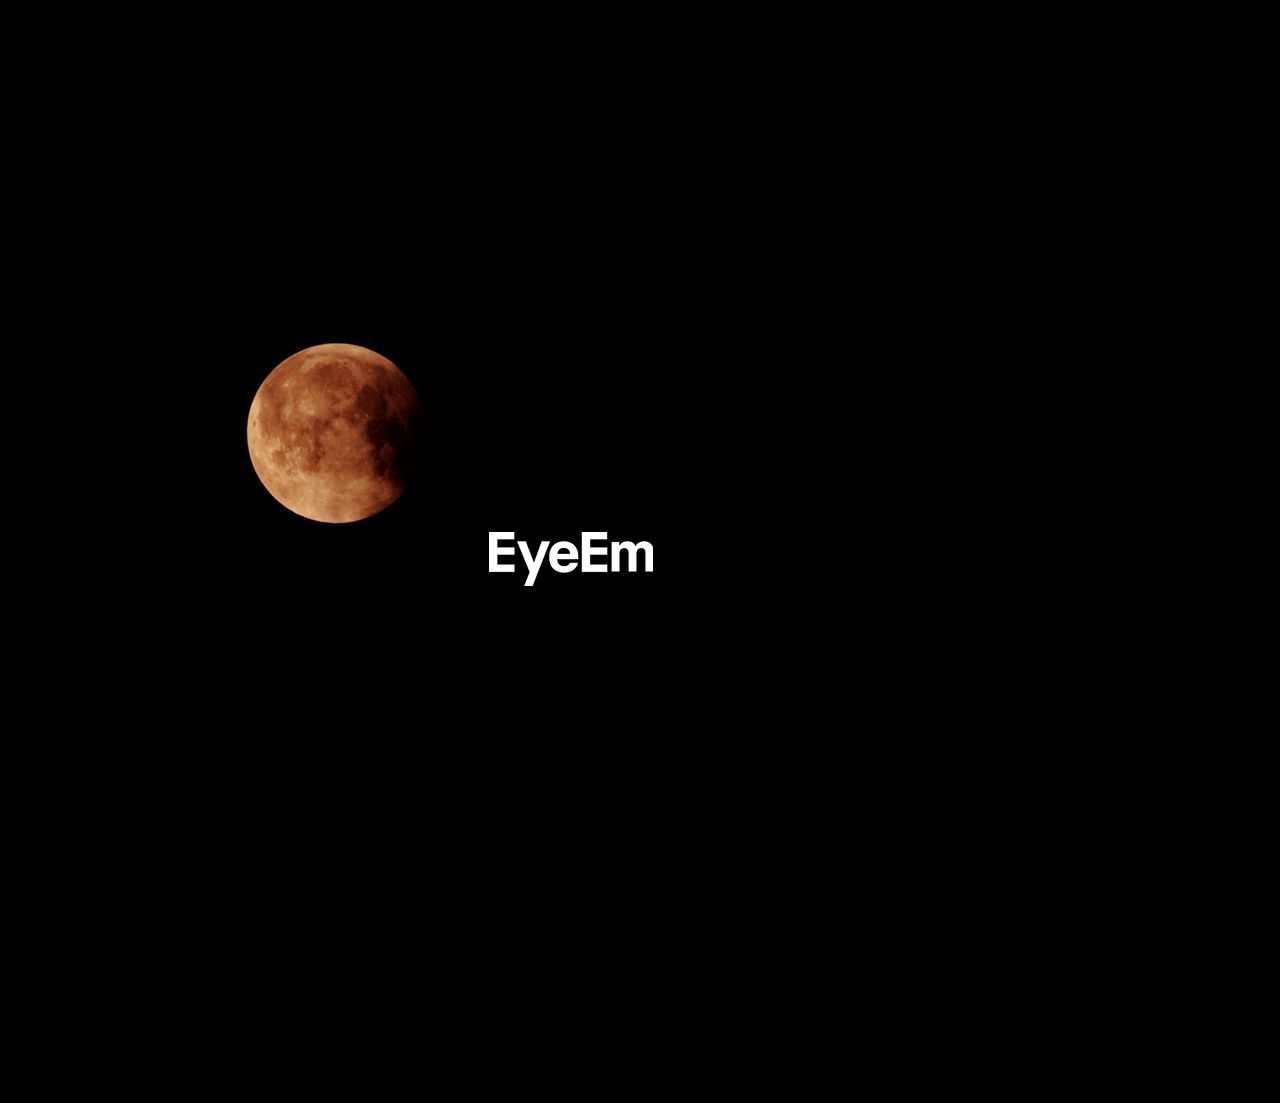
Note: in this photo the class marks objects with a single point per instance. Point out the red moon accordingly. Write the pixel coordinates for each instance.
(334, 433)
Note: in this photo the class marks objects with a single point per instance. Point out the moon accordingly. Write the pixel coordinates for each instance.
(335, 433)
